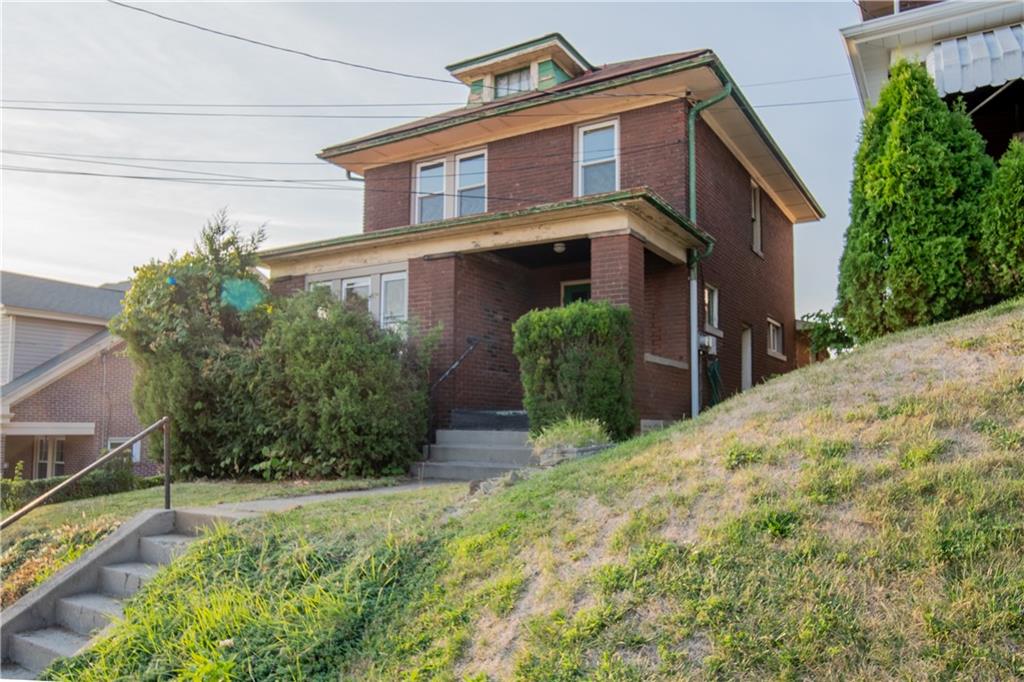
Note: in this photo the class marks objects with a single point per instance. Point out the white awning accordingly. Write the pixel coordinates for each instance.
(977, 60)
(49, 429)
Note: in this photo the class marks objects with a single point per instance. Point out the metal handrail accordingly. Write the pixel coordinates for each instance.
(163, 423)
(473, 343)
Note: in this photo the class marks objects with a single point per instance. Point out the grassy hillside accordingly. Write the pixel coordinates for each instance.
(859, 518)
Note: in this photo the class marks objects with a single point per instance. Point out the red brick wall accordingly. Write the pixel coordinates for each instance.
(388, 199)
(289, 284)
(98, 392)
(751, 287)
(432, 304)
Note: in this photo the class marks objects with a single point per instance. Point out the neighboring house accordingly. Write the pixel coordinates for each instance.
(973, 50)
(66, 388)
(559, 181)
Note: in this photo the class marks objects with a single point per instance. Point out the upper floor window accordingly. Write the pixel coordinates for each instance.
(512, 82)
(430, 194)
(755, 218)
(597, 158)
(471, 183)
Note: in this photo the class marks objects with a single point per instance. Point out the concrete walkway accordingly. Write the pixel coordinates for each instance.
(282, 504)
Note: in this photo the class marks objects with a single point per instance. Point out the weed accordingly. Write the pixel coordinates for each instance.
(739, 454)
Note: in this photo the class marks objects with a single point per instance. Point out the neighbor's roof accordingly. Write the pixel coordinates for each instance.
(56, 367)
(497, 106)
(37, 293)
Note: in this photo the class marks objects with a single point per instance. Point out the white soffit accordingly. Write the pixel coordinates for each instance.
(977, 60)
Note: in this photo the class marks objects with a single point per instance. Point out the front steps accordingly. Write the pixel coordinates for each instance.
(67, 613)
(469, 452)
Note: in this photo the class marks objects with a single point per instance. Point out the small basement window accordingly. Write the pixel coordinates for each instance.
(512, 83)
(776, 348)
(711, 306)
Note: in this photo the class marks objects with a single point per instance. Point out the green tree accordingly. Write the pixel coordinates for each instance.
(1002, 224)
(911, 253)
(192, 324)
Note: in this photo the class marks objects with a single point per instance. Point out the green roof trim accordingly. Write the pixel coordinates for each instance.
(642, 193)
(472, 61)
(550, 74)
(471, 115)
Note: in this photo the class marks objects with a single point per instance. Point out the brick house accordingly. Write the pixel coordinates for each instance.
(66, 387)
(649, 183)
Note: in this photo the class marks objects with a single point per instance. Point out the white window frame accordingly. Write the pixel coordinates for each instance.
(756, 229)
(366, 281)
(458, 179)
(777, 353)
(402, 276)
(530, 85)
(136, 447)
(51, 455)
(445, 194)
(581, 130)
(712, 322)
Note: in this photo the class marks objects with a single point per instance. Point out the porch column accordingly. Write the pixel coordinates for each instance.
(432, 303)
(617, 276)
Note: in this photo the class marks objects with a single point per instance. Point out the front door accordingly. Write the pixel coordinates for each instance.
(747, 359)
(48, 457)
(575, 291)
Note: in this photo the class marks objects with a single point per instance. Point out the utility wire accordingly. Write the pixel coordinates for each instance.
(436, 117)
(289, 50)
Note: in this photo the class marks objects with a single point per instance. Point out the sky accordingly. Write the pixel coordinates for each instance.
(93, 230)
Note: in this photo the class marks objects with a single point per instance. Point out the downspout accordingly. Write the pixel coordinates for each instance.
(695, 257)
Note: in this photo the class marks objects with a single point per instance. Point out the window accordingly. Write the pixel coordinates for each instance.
(471, 183)
(755, 218)
(711, 306)
(393, 299)
(597, 153)
(775, 344)
(333, 285)
(576, 290)
(356, 292)
(136, 447)
(49, 457)
(430, 192)
(512, 83)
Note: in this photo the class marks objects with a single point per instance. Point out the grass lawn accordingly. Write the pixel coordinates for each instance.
(53, 535)
(860, 518)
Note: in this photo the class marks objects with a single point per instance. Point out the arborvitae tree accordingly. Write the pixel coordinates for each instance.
(1002, 239)
(911, 254)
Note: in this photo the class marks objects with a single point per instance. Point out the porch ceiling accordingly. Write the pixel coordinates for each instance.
(637, 211)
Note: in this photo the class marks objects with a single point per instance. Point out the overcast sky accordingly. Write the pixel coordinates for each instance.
(94, 229)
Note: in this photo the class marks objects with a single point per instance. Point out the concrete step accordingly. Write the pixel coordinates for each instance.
(124, 580)
(13, 671)
(505, 455)
(195, 521)
(36, 649)
(460, 471)
(481, 437)
(161, 549)
(87, 612)
(490, 420)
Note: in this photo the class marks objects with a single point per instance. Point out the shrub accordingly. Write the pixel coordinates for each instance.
(911, 252)
(571, 432)
(1002, 224)
(828, 332)
(191, 324)
(342, 396)
(577, 360)
(114, 477)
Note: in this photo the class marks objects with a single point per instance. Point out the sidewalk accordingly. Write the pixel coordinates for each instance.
(281, 504)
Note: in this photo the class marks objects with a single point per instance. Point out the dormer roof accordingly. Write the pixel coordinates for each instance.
(551, 46)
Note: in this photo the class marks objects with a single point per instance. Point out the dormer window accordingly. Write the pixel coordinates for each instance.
(512, 83)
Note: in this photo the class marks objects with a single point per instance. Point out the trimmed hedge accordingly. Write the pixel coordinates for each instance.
(16, 492)
(577, 360)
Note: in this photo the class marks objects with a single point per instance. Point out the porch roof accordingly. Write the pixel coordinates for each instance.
(639, 211)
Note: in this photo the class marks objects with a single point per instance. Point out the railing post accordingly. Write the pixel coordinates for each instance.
(167, 463)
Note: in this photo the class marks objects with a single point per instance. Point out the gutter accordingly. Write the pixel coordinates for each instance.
(695, 256)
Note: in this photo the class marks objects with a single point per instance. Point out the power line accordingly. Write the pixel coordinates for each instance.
(210, 114)
(289, 50)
